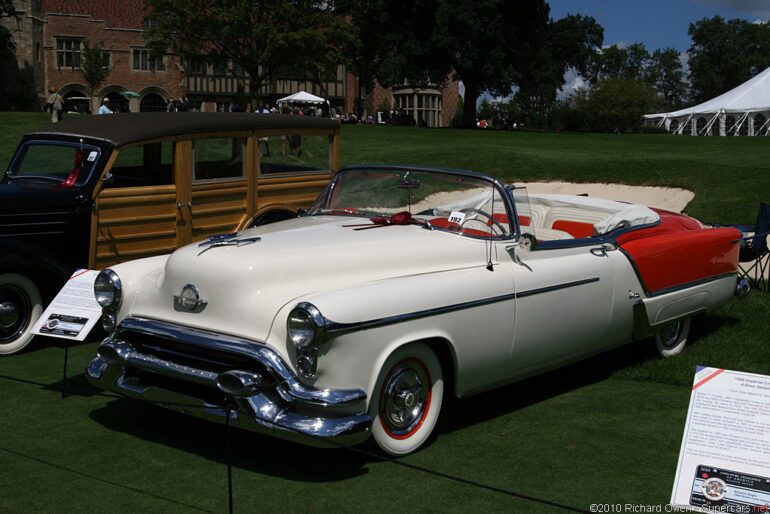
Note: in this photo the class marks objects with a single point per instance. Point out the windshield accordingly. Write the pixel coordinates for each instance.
(67, 163)
(467, 205)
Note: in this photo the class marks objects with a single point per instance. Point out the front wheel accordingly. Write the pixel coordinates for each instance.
(20, 307)
(407, 399)
(671, 337)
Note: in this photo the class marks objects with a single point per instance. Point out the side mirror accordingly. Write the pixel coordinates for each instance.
(108, 178)
(526, 242)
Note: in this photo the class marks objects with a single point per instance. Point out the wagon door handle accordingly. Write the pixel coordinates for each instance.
(602, 250)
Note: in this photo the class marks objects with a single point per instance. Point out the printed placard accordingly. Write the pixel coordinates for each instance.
(724, 461)
(456, 218)
(74, 311)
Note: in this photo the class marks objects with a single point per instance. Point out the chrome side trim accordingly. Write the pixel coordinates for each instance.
(694, 283)
(557, 287)
(332, 326)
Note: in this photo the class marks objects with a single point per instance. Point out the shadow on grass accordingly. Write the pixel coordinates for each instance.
(252, 452)
(277, 457)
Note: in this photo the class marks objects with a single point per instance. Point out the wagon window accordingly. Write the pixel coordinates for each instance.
(294, 154)
(218, 158)
(143, 165)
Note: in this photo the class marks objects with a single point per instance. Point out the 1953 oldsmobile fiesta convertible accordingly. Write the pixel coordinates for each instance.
(399, 286)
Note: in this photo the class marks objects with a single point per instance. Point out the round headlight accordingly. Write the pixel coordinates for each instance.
(301, 328)
(108, 289)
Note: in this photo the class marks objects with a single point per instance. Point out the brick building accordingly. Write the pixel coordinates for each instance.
(50, 34)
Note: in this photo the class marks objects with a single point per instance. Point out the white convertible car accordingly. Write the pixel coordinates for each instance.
(399, 286)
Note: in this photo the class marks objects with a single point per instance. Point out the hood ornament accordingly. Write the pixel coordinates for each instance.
(227, 240)
(190, 298)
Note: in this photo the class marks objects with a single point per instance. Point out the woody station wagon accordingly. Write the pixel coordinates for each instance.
(94, 191)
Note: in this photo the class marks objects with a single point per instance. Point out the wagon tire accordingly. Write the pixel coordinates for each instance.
(407, 399)
(20, 307)
(671, 338)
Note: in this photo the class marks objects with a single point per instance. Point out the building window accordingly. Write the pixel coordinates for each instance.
(143, 61)
(68, 52)
(220, 68)
(197, 66)
(424, 105)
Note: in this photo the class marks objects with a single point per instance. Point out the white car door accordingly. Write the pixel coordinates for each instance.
(564, 304)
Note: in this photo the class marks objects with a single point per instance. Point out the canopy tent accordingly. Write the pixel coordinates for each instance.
(743, 111)
(302, 97)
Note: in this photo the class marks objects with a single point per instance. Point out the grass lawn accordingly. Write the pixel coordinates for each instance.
(607, 430)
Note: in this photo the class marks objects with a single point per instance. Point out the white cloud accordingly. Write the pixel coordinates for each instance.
(619, 44)
(573, 82)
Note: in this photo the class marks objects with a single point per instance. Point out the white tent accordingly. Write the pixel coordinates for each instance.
(743, 111)
(302, 97)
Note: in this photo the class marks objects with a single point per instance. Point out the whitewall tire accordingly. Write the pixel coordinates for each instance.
(671, 337)
(20, 307)
(407, 399)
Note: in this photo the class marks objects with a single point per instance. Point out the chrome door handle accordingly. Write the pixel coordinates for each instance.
(602, 250)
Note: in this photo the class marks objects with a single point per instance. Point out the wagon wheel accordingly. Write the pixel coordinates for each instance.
(671, 337)
(492, 222)
(20, 307)
(407, 399)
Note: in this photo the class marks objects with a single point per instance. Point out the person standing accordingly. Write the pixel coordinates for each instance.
(105, 107)
(55, 105)
(263, 141)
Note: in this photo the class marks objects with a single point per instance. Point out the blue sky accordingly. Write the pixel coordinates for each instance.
(657, 23)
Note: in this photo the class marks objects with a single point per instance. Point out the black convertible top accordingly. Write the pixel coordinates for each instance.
(123, 129)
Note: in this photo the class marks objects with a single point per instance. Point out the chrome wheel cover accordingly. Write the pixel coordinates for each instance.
(405, 398)
(15, 311)
(669, 334)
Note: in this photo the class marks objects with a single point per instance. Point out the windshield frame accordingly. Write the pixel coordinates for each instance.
(501, 189)
(21, 152)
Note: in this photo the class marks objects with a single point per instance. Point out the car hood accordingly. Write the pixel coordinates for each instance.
(245, 286)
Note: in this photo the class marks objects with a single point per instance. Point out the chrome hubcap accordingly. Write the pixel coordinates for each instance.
(9, 314)
(669, 334)
(15, 311)
(405, 398)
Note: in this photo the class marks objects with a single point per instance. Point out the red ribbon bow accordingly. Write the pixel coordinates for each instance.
(399, 218)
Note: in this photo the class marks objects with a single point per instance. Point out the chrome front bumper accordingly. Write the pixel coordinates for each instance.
(195, 372)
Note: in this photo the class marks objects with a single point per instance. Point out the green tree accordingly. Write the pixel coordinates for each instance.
(94, 64)
(666, 75)
(7, 46)
(618, 62)
(6, 8)
(725, 53)
(392, 43)
(487, 43)
(571, 42)
(268, 39)
(615, 104)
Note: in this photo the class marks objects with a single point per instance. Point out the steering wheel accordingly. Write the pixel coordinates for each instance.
(492, 221)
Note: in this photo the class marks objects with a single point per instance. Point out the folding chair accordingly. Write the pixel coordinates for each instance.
(754, 248)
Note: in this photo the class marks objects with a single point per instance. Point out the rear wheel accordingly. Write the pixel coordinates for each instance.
(407, 399)
(20, 307)
(671, 338)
